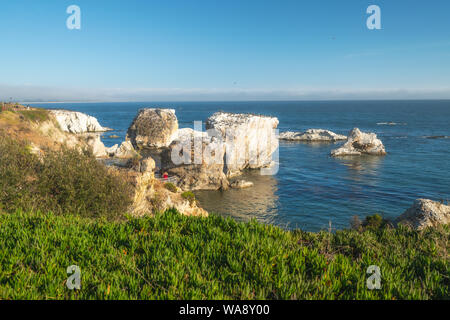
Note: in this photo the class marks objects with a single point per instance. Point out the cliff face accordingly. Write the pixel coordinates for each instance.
(77, 122)
(250, 140)
(151, 195)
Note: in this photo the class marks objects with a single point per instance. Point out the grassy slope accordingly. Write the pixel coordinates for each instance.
(172, 256)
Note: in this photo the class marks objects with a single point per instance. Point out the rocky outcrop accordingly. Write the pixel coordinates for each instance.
(359, 143)
(312, 135)
(77, 122)
(425, 213)
(196, 160)
(153, 128)
(95, 143)
(241, 184)
(124, 151)
(150, 195)
(250, 140)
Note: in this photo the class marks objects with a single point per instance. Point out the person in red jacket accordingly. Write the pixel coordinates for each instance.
(165, 175)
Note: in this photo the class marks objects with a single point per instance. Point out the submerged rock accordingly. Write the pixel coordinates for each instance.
(153, 128)
(312, 135)
(241, 184)
(250, 140)
(77, 122)
(359, 143)
(425, 213)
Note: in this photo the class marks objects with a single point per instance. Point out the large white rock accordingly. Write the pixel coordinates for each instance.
(196, 160)
(312, 135)
(153, 128)
(77, 122)
(250, 140)
(95, 143)
(425, 213)
(125, 150)
(359, 143)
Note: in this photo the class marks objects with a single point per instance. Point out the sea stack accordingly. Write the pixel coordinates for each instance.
(249, 139)
(359, 143)
(153, 128)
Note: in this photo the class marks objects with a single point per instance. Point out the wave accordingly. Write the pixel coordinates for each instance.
(391, 124)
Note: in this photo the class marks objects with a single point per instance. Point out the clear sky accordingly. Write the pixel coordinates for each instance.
(138, 50)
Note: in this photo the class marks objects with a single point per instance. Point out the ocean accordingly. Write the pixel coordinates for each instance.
(312, 189)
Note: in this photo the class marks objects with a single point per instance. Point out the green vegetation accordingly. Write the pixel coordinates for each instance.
(171, 256)
(37, 115)
(170, 186)
(189, 195)
(29, 114)
(64, 181)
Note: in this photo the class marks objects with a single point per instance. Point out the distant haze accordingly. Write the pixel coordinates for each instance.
(48, 94)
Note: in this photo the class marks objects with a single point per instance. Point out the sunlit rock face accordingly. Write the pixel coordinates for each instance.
(77, 122)
(359, 143)
(250, 140)
(312, 135)
(124, 151)
(195, 159)
(425, 213)
(153, 128)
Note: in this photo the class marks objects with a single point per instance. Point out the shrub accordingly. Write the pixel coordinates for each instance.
(64, 181)
(170, 186)
(374, 222)
(189, 195)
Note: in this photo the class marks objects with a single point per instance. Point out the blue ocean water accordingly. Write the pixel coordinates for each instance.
(312, 188)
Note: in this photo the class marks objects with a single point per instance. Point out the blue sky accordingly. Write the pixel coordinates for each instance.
(139, 50)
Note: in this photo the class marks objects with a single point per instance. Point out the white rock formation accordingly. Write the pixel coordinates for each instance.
(312, 135)
(77, 122)
(359, 143)
(125, 150)
(98, 148)
(153, 128)
(250, 140)
(196, 159)
(425, 213)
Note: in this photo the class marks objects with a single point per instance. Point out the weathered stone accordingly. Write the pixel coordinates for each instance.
(125, 150)
(77, 122)
(151, 196)
(359, 143)
(95, 143)
(153, 128)
(196, 160)
(241, 184)
(425, 213)
(312, 135)
(250, 140)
